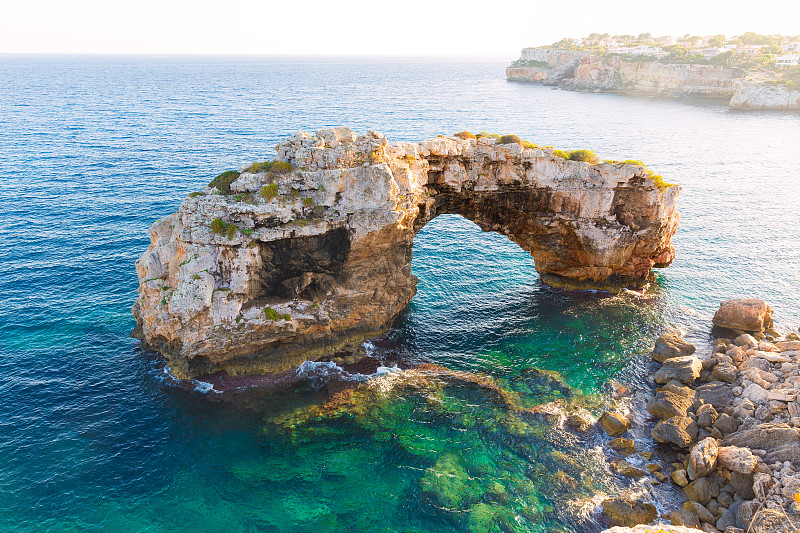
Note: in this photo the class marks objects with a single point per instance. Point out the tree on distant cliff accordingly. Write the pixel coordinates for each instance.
(717, 41)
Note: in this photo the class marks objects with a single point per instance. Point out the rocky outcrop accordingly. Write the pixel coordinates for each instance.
(273, 268)
(751, 95)
(547, 65)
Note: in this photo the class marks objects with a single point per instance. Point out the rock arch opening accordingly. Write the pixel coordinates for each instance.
(322, 260)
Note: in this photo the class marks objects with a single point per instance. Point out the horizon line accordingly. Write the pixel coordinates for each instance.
(248, 54)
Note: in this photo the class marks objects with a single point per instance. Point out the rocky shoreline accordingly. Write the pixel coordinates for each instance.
(731, 417)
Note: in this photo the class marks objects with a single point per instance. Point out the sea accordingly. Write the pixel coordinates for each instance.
(95, 434)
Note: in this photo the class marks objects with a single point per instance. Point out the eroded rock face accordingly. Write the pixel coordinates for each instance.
(748, 95)
(293, 266)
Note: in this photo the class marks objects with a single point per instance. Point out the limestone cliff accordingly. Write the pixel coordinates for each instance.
(748, 95)
(283, 267)
(585, 71)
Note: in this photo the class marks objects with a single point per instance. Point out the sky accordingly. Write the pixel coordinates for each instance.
(363, 27)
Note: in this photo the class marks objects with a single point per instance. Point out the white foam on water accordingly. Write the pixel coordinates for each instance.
(203, 386)
(320, 372)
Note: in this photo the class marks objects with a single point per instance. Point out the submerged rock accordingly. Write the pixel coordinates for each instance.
(295, 261)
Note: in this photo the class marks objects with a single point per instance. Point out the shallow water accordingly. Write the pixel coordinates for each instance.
(95, 438)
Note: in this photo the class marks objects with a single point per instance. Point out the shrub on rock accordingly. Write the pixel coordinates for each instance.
(510, 139)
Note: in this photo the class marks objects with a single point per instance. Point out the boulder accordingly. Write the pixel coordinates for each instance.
(684, 517)
(667, 404)
(624, 468)
(706, 415)
(580, 421)
(684, 369)
(701, 490)
(737, 459)
(725, 372)
(627, 511)
(781, 441)
(679, 477)
(728, 517)
(614, 424)
(699, 511)
(702, 459)
(768, 521)
(788, 346)
(748, 314)
(717, 394)
(678, 430)
(670, 345)
(745, 341)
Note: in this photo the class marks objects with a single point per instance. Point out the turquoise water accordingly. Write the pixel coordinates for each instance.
(95, 437)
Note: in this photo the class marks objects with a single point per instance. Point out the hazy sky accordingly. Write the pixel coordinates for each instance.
(363, 27)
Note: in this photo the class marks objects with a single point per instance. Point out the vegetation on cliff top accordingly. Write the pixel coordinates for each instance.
(224, 180)
(748, 50)
(584, 156)
(273, 167)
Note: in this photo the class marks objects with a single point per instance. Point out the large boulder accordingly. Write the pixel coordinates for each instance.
(684, 369)
(678, 430)
(717, 394)
(781, 441)
(701, 490)
(627, 511)
(737, 459)
(670, 345)
(746, 314)
(667, 404)
(703, 458)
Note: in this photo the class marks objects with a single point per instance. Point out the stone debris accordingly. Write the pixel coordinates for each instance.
(738, 420)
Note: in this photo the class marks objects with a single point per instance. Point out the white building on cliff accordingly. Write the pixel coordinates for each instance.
(787, 61)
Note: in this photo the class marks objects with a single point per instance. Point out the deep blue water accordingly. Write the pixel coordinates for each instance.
(93, 150)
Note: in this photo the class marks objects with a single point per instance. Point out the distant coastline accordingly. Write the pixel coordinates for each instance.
(749, 71)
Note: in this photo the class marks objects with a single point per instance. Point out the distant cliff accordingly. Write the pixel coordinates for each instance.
(586, 71)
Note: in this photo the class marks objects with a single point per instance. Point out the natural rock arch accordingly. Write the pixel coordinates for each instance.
(294, 266)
